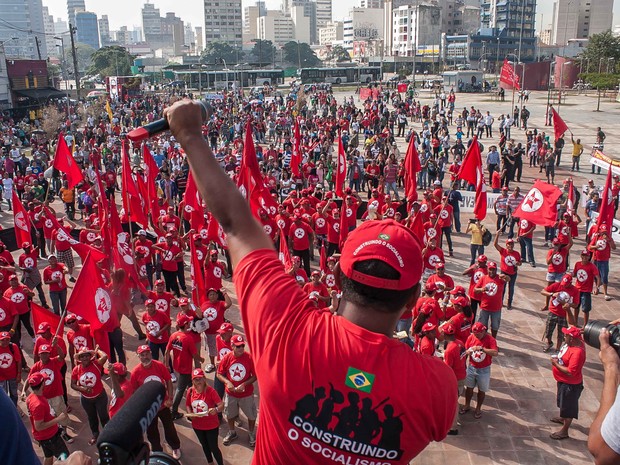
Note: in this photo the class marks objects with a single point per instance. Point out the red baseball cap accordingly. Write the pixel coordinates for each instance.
(482, 259)
(567, 279)
(226, 328)
(45, 349)
(148, 302)
(70, 318)
(387, 241)
(461, 300)
(478, 327)
(37, 378)
(237, 340)
(43, 327)
(142, 349)
(429, 326)
(572, 331)
(119, 369)
(458, 290)
(4, 335)
(183, 301)
(198, 373)
(160, 281)
(183, 320)
(492, 265)
(448, 328)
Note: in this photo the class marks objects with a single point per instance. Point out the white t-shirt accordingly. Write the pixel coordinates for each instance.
(610, 429)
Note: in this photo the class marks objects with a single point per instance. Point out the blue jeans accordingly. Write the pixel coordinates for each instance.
(391, 186)
(495, 317)
(59, 300)
(456, 216)
(511, 288)
(476, 250)
(526, 245)
(10, 387)
(603, 270)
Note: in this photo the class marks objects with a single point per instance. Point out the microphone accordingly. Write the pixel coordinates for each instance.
(161, 125)
(122, 439)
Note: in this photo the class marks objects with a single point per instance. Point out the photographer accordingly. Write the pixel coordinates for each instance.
(604, 437)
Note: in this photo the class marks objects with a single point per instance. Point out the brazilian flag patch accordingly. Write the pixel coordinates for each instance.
(360, 380)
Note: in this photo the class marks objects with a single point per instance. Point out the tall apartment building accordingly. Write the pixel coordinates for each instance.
(72, 7)
(224, 22)
(304, 9)
(87, 28)
(276, 26)
(19, 17)
(250, 20)
(371, 3)
(362, 25)
(173, 26)
(513, 21)
(323, 12)
(48, 28)
(580, 19)
(417, 28)
(104, 31)
(199, 39)
(331, 33)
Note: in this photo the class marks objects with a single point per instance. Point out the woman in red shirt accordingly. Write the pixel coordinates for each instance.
(203, 406)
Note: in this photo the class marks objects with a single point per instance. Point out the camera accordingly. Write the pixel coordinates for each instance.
(593, 329)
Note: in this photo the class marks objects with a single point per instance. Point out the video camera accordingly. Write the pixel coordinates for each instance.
(593, 330)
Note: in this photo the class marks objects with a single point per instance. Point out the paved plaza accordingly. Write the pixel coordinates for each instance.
(515, 427)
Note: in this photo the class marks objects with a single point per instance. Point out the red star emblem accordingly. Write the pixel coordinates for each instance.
(531, 200)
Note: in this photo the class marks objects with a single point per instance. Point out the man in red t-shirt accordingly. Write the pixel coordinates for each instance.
(79, 336)
(481, 348)
(236, 371)
(601, 246)
(182, 349)
(563, 299)
(300, 237)
(587, 282)
(153, 370)
(170, 253)
(164, 301)
(10, 366)
(54, 276)
(455, 356)
(510, 261)
(215, 270)
(19, 295)
(490, 290)
(157, 324)
(293, 346)
(317, 290)
(567, 371)
(44, 423)
(525, 235)
(213, 310)
(121, 387)
(31, 277)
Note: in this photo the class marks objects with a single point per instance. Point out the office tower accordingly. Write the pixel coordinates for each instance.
(72, 7)
(224, 22)
(19, 18)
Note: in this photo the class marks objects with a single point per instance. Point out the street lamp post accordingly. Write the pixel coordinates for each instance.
(547, 116)
(497, 65)
(63, 65)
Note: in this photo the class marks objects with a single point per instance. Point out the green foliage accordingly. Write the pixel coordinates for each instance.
(263, 51)
(601, 81)
(602, 49)
(113, 60)
(215, 52)
(339, 54)
(300, 54)
(84, 55)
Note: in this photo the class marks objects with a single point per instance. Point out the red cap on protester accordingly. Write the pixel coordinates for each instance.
(198, 373)
(37, 378)
(448, 328)
(119, 369)
(478, 327)
(225, 328)
(389, 242)
(143, 348)
(237, 340)
(183, 320)
(428, 326)
(572, 331)
(43, 327)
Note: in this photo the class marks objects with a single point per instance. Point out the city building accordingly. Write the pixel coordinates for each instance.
(199, 40)
(276, 26)
(362, 25)
(87, 28)
(48, 28)
(5, 88)
(371, 3)
(251, 14)
(61, 27)
(74, 6)
(224, 22)
(580, 19)
(122, 36)
(173, 26)
(331, 33)
(545, 35)
(30, 85)
(104, 31)
(22, 29)
(417, 29)
(303, 14)
(323, 13)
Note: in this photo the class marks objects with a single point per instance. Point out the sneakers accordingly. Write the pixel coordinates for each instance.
(177, 416)
(210, 368)
(176, 454)
(174, 377)
(252, 435)
(230, 437)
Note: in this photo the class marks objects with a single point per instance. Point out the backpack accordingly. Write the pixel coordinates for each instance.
(487, 237)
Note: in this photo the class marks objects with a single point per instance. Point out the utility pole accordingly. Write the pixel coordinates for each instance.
(36, 40)
(76, 73)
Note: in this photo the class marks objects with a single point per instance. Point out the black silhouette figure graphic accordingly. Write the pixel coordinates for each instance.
(308, 406)
(348, 416)
(327, 408)
(368, 426)
(391, 429)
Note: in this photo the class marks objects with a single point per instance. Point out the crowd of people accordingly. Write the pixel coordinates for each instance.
(178, 322)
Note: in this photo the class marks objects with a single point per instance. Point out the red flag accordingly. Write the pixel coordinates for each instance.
(41, 315)
(417, 225)
(471, 171)
(508, 76)
(215, 232)
(150, 171)
(570, 202)
(122, 253)
(606, 211)
(343, 233)
(402, 87)
(341, 168)
(540, 204)
(90, 298)
(199, 294)
(81, 249)
(296, 157)
(63, 161)
(412, 167)
(365, 93)
(129, 185)
(323, 259)
(559, 126)
(21, 221)
(100, 336)
(284, 254)
(193, 203)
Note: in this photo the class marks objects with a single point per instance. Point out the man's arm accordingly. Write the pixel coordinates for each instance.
(225, 201)
(603, 454)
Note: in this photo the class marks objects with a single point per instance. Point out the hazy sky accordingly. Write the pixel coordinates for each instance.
(127, 12)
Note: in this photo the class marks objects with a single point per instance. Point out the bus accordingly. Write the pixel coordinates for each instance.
(262, 77)
(227, 79)
(356, 74)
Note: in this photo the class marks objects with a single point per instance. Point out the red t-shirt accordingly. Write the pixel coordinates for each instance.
(584, 276)
(213, 274)
(40, 341)
(156, 371)
(300, 234)
(320, 289)
(154, 323)
(508, 261)
(603, 249)
(87, 236)
(162, 301)
(28, 260)
(432, 256)
(4, 280)
(572, 358)
(436, 314)
(291, 348)
(351, 214)
(80, 338)
(88, 377)
(555, 305)
(19, 297)
(182, 348)
(168, 260)
(214, 313)
(53, 385)
(237, 370)
(117, 402)
(62, 240)
(55, 272)
(202, 402)
(462, 326)
(526, 228)
(333, 230)
(426, 346)
(48, 228)
(9, 357)
(444, 215)
(442, 282)
(7, 312)
(39, 410)
(455, 356)
(222, 347)
(557, 260)
(320, 224)
(479, 359)
(491, 297)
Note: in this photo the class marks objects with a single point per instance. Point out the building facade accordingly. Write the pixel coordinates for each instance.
(74, 6)
(87, 28)
(331, 33)
(323, 13)
(50, 42)
(303, 14)
(580, 19)
(104, 31)
(19, 18)
(224, 22)
(173, 26)
(371, 3)
(362, 24)
(250, 20)
(417, 29)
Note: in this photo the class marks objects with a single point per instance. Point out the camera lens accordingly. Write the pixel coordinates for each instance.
(592, 331)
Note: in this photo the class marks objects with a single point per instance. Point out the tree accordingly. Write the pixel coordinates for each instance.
(215, 52)
(601, 50)
(84, 55)
(339, 54)
(111, 61)
(263, 51)
(300, 54)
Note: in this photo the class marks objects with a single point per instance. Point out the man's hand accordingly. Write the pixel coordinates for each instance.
(185, 119)
(608, 354)
(78, 458)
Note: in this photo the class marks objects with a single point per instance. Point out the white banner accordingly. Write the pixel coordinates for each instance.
(615, 229)
(469, 201)
(604, 165)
